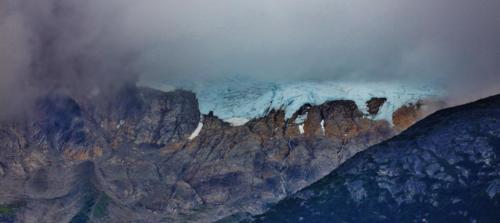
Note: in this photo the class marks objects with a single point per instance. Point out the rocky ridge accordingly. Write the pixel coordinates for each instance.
(444, 168)
(130, 158)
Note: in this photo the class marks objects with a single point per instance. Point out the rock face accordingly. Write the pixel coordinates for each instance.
(130, 158)
(408, 114)
(374, 105)
(405, 116)
(444, 168)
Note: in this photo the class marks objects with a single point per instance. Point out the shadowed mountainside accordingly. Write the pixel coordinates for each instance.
(444, 168)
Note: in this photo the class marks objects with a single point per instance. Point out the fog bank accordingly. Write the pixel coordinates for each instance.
(90, 47)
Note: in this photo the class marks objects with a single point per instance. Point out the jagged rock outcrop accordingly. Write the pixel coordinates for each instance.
(405, 116)
(408, 114)
(130, 158)
(374, 105)
(444, 168)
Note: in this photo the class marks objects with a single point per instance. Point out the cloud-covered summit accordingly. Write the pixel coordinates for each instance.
(87, 46)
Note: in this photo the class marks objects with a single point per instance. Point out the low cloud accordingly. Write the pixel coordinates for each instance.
(80, 47)
(60, 46)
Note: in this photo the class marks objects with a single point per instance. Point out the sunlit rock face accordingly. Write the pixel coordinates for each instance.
(445, 167)
(148, 155)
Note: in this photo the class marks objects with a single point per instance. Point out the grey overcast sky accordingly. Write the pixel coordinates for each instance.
(77, 46)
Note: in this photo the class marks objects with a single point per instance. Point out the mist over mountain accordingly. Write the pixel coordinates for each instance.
(199, 111)
(86, 48)
(52, 46)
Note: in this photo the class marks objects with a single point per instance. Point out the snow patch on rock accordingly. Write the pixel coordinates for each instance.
(197, 131)
(237, 121)
(322, 126)
(301, 128)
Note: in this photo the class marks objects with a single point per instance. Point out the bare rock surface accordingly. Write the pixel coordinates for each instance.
(130, 158)
(374, 105)
(444, 168)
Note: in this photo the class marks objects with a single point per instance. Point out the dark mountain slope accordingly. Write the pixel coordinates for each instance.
(444, 168)
(137, 156)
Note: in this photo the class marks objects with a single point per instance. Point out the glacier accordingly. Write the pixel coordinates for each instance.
(238, 100)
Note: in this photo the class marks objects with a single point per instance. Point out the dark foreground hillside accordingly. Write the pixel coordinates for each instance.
(444, 168)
